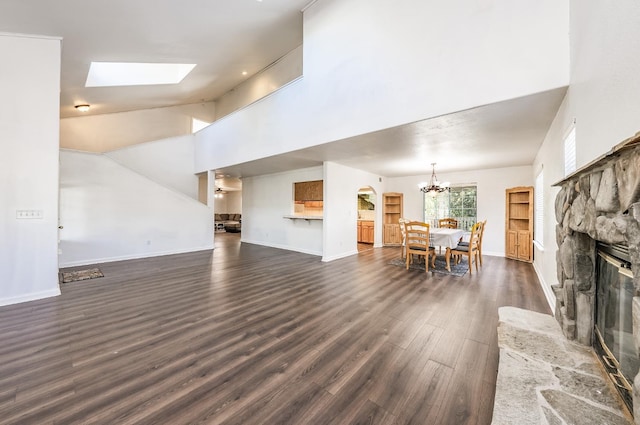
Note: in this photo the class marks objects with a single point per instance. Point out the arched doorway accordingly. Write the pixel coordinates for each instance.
(366, 199)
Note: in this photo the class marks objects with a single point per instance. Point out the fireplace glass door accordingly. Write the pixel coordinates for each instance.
(614, 326)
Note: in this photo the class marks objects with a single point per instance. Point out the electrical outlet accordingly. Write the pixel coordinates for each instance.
(29, 214)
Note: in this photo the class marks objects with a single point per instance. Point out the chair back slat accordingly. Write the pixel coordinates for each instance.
(474, 239)
(449, 223)
(417, 236)
(417, 243)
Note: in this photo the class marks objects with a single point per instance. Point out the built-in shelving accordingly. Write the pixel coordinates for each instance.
(519, 223)
(391, 213)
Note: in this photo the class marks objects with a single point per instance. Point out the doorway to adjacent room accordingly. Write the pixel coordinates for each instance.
(366, 199)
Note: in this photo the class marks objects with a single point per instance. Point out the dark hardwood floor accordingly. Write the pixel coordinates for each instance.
(256, 335)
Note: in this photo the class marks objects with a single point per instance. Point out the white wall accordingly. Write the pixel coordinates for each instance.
(107, 132)
(230, 203)
(167, 161)
(602, 98)
(491, 185)
(341, 185)
(234, 202)
(374, 64)
(266, 199)
(550, 159)
(112, 213)
(270, 79)
(29, 112)
(605, 65)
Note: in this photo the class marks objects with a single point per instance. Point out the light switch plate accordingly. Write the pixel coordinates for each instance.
(29, 214)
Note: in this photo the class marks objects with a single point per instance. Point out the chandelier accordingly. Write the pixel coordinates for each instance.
(434, 186)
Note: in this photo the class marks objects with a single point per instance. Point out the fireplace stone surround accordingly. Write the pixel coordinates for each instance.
(599, 202)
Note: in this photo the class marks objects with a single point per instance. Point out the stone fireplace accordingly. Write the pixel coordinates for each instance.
(599, 203)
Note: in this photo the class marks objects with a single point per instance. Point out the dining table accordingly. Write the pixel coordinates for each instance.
(446, 237)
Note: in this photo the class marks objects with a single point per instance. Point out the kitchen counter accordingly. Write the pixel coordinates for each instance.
(303, 217)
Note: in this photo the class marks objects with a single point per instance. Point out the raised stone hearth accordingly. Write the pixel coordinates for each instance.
(599, 202)
(543, 378)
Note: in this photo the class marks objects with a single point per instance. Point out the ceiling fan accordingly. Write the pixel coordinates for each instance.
(219, 192)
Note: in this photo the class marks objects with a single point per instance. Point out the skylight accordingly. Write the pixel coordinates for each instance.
(109, 74)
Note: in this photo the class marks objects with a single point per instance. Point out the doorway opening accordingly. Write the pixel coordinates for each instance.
(365, 231)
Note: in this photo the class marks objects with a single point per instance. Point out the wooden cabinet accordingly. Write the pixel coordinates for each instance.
(391, 212)
(365, 231)
(391, 234)
(308, 191)
(519, 223)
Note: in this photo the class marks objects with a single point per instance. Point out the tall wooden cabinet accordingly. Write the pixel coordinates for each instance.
(391, 212)
(519, 223)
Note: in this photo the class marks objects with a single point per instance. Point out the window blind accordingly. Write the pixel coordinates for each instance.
(538, 229)
(570, 152)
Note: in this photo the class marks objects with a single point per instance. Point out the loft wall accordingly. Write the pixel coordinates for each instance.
(107, 132)
(372, 64)
(265, 82)
(168, 162)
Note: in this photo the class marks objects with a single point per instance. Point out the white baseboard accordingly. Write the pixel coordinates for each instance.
(132, 257)
(30, 297)
(339, 256)
(546, 289)
(286, 247)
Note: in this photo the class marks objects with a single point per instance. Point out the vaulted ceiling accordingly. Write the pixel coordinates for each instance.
(223, 37)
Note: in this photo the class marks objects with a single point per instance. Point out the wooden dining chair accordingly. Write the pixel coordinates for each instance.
(417, 243)
(403, 231)
(483, 224)
(471, 251)
(449, 223)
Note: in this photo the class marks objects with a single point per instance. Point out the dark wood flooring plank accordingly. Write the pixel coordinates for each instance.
(249, 335)
(423, 399)
(372, 414)
(406, 370)
(463, 398)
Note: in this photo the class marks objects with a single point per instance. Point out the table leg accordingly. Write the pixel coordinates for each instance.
(447, 257)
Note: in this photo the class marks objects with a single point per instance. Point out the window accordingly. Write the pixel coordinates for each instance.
(570, 152)
(109, 74)
(459, 203)
(538, 229)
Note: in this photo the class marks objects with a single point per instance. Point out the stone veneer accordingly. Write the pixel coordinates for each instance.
(543, 378)
(599, 202)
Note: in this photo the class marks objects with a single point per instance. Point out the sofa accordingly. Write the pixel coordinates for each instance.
(229, 222)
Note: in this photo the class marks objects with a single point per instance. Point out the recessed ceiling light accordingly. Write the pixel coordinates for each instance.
(83, 107)
(244, 72)
(109, 74)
